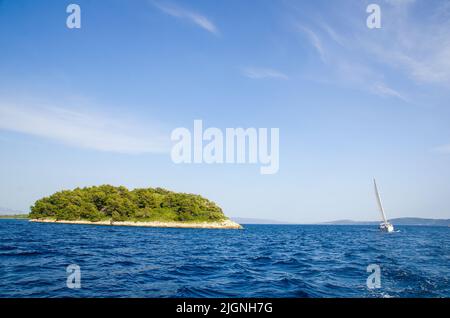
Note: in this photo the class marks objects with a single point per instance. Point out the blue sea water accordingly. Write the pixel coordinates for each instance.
(260, 261)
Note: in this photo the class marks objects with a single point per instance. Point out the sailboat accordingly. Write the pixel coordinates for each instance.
(385, 226)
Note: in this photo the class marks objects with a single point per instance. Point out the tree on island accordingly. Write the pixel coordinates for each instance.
(107, 202)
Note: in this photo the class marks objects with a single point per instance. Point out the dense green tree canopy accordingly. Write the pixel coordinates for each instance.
(107, 202)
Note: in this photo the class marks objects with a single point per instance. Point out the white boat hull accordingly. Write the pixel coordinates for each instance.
(386, 227)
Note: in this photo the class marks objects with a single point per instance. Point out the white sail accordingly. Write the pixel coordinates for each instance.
(380, 205)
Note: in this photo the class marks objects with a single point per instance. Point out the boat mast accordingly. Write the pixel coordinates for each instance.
(380, 205)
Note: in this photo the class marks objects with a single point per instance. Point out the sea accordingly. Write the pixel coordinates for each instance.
(296, 261)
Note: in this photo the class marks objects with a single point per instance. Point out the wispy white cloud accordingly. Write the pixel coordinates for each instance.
(315, 41)
(335, 36)
(444, 149)
(381, 89)
(263, 73)
(344, 69)
(183, 13)
(407, 59)
(412, 47)
(418, 46)
(81, 129)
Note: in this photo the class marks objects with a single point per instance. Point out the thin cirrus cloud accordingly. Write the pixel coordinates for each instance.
(411, 51)
(381, 89)
(81, 129)
(416, 50)
(344, 69)
(186, 14)
(420, 47)
(315, 41)
(263, 73)
(444, 149)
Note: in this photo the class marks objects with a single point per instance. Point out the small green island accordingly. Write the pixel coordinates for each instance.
(110, 205)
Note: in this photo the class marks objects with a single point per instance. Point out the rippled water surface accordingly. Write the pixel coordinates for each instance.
(260, 261)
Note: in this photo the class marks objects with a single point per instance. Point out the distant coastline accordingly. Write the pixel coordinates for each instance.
(14, 216)
(258, 221)
(397, 221)
(238, 221)
(225, 224)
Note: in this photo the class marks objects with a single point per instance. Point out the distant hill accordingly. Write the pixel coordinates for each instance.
(6, 211)
(256, 221)
(13, 216)
(397, 221)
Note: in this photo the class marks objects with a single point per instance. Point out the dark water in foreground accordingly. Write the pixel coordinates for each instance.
(260, 261)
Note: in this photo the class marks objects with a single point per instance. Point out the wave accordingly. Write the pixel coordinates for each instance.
(262, 261)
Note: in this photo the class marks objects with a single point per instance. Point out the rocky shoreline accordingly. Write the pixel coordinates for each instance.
(227, 224)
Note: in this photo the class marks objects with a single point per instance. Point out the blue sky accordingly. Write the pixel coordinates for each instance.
(97, 105)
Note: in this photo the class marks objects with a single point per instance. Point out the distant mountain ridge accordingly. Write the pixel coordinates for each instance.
(397, 221)
(256, 221)
(6, 211)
